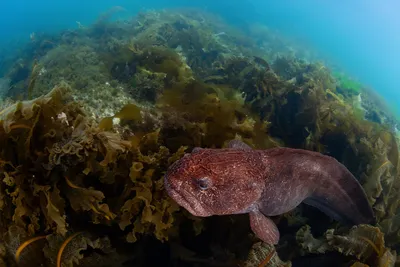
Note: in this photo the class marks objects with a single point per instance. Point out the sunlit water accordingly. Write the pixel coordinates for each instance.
(359, 36)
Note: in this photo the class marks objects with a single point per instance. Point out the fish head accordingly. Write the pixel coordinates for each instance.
(215, 182)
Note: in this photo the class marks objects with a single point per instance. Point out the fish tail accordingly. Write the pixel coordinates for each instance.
(338, 194)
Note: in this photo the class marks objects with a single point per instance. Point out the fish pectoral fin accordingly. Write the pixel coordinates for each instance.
(264, 227)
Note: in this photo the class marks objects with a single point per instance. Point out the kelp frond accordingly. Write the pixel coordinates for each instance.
(63, 246)
(24, 245)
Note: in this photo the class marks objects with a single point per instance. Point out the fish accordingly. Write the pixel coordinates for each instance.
(263, 183)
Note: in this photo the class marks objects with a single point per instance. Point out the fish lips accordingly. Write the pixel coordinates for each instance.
(186, 200)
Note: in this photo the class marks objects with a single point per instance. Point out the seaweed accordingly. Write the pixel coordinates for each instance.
(262, 255)
(81, 166)
(364, 242)
(40, 184)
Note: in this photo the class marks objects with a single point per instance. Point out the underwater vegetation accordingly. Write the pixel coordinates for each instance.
(96, 115)
(348, 83)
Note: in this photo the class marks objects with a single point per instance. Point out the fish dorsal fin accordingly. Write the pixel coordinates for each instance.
(264, 227)
(196, 149)
(237, 144)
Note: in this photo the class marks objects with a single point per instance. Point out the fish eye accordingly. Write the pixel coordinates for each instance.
(203, 183)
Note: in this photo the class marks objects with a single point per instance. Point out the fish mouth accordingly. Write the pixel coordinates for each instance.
(187, 200)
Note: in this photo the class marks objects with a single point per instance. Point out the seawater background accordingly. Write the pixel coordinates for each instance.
(361, 36)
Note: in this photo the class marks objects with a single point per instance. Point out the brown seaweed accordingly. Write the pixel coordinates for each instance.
(89, 157)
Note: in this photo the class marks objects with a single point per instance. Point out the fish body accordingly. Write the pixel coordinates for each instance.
(263, 183)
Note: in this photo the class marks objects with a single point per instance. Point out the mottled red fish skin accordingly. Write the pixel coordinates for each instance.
(236, 175)
(272, 181)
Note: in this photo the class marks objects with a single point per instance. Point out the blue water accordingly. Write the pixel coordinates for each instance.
(361, 36)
